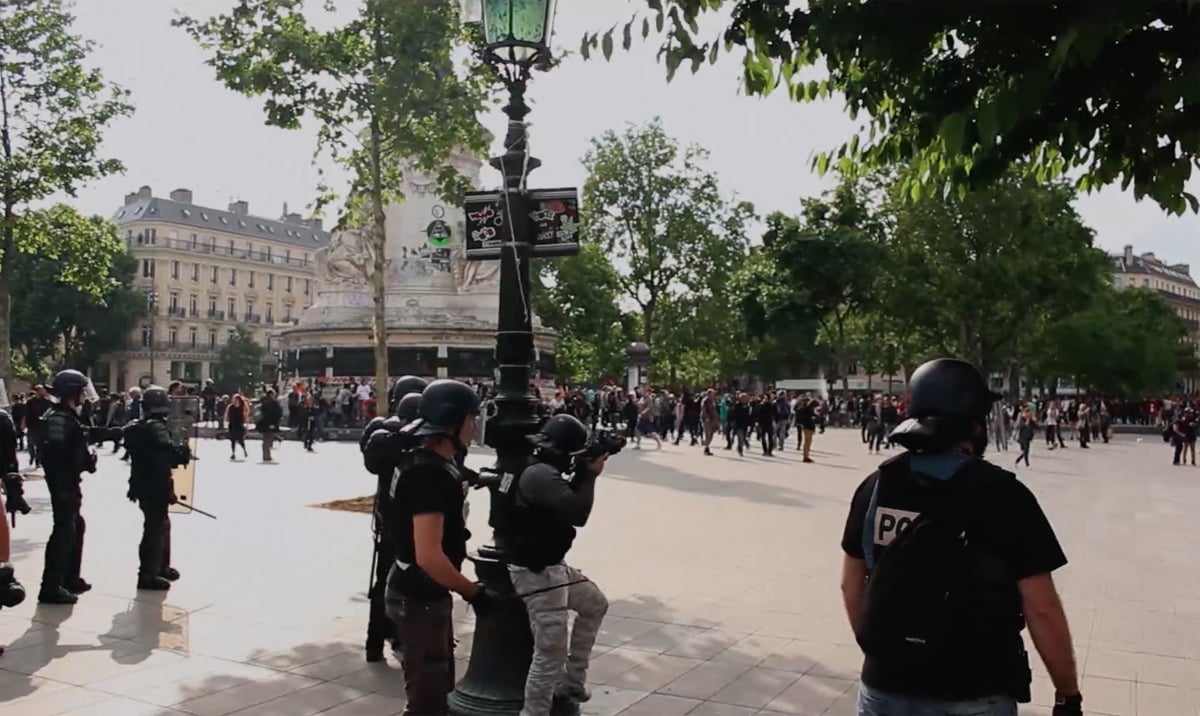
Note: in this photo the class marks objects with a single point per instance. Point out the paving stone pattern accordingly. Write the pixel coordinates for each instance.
(722, 575)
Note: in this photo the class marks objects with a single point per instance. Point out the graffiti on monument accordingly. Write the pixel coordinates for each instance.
(418, 262)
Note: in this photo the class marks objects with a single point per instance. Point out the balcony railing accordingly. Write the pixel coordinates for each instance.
(193, 313)
(216, 315)
(203, 248)
(253, 318)
(176, 347)
(176, 312)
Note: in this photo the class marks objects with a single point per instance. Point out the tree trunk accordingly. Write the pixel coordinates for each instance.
(378, 239)
(6, 252)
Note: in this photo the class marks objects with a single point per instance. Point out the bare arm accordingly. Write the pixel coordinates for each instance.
(1050, 632)
(854, 588)
(427, 543)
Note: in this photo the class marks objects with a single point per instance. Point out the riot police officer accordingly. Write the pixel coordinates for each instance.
(65, 457)
(947, 557)
(382, 454)
(428, 532)
(152, 456)
(549, 505)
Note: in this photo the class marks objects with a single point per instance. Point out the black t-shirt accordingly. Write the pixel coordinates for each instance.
(430, 485)
(805, 416)
(1004, 519)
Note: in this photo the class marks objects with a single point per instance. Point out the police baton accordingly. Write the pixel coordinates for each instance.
(196, 509)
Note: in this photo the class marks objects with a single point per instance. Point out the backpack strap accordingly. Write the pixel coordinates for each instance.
(893, 464)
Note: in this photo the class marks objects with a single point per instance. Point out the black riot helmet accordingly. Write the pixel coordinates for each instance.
(445, 406)
(403, 386)
(69, 384)
(408, 408)
(563, 434)
(948, 399)
(155, 401)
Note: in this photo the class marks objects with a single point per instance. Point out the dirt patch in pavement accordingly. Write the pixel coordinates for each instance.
(354, 504)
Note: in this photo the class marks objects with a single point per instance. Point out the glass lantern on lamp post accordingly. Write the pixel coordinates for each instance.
(516, 41)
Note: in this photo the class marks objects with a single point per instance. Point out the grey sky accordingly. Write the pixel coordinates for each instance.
(189, 131)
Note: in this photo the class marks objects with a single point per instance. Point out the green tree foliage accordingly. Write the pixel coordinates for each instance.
(660, 217)
(971, 277)
(819, 270)
(63, 314)
(963, 91)
(53, 110)
(577, 296)
(1125, 343)
(239, 363)
(384, 89)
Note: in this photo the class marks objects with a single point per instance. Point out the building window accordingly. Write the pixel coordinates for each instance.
(232, 313)
(212, 338)
(287, 284)
(174, 269)
(307, 286)
(250, 280)
(230, 335)
(270, 282)
(231, 247)
(172, 335)
(147, 268)
(147, 335)
(232, 277)
(212, 306)
(151, 236)
(249, 308)
(270, 313)
(193, 308)
(195, 272)
(268, 254)
(195, 241)
(173, 303)
(215, 274)
(287, 313)
(287, 256)
(192, 336)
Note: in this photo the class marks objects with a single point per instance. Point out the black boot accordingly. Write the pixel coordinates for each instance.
(56, 596)
(374, 651)
(154, 584)
(79, 587)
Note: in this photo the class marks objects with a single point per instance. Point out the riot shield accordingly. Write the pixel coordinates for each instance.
(185, 413)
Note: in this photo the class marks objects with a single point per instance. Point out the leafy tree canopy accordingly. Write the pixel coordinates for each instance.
(69, 310)
(965, 91)
(239, 363)
(53, 110)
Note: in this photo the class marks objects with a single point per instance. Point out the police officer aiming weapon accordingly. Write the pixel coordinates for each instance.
(153, 455)
(548, 509)
(384, 451)
(65, 457)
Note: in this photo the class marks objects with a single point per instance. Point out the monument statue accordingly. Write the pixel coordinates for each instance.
(347, 261)
(469, 275)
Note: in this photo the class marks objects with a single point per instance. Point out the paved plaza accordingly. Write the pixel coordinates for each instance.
(722, 575)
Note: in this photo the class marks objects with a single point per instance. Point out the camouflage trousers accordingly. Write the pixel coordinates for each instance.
(560, 659)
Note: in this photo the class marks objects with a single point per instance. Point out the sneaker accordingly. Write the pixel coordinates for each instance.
(79, 587)
(153, 584)
(577, 693)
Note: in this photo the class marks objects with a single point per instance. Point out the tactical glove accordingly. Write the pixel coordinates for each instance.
(14, 495)
(485, 602)
(1068, 705)
(11, 591)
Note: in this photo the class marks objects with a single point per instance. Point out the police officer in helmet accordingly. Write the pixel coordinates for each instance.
(65, 457)
(383, 451)
(152, 456)
(549, 505)
(947, 558)
(428, 532)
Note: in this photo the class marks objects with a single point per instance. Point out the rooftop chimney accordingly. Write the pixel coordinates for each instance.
(183, 196)
(1128, 254)
(1149, 256)
(131, 198)
(293, 218)
(239, 207)
(315, 222)
(1183, 268)
(144, 192)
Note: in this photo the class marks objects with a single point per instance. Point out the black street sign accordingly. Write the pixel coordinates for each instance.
(553, 218)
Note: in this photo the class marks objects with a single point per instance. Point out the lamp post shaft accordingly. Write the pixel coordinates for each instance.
(503, 646)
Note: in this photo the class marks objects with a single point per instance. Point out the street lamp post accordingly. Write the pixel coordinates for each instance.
(152, 304)
(517, 34)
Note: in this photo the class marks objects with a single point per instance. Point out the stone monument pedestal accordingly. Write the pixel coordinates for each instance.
(441, 308)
